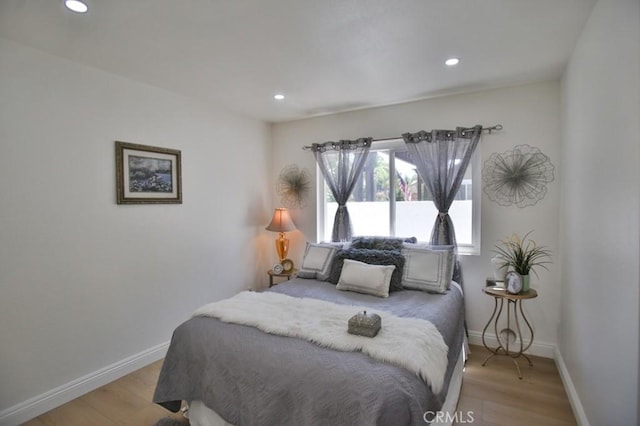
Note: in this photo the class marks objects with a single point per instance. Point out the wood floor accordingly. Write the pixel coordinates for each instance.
(491, 395)
(127, 401)
(496, 396)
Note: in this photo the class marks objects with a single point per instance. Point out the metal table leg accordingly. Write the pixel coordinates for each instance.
(504, 346)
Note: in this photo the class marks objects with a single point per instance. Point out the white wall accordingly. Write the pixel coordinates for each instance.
(530, 115)
(600, 211)
(84, 282)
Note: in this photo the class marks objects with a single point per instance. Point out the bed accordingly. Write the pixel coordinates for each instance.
(235, 374)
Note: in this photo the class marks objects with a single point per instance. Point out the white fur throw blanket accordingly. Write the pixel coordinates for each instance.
(411, 343)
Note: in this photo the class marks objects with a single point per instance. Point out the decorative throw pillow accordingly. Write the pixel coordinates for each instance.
(427, 246)
(372, 257)
(427, 269)
(364, 278)
(317, 261)
(380, 243)
(339, 245)
(436, 248)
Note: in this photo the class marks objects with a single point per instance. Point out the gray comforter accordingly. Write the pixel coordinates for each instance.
(252, 378)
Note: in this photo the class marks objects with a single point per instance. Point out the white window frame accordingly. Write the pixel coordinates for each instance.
(476, 197)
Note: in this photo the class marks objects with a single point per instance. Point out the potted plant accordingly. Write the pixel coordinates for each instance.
(523, 255)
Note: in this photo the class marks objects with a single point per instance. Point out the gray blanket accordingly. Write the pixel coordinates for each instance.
(252, 378)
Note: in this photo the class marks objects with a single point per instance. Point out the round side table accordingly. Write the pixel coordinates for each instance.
(286, 275)
(504, 336)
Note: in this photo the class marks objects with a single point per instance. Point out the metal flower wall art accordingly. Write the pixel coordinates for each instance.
(293, 186)
(517, 177)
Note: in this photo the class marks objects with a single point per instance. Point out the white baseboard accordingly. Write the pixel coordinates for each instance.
(576, 405)
(40, 404)
(542, 349)
(546, 350)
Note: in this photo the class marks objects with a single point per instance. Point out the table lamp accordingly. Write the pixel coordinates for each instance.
(281, 222)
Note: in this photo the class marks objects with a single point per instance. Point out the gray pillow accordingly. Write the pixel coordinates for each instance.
(380, 243)
(428, 246)
(372, 257)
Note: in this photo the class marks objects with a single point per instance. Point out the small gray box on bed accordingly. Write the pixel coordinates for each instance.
(365, 324)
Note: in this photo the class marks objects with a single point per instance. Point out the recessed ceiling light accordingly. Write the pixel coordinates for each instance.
(76, 6)
(278, 97)
(452, 61)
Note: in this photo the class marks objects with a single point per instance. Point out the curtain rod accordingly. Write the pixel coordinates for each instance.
(489, 130)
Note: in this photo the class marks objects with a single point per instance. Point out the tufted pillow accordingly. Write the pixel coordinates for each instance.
(380, 243)
(372, 257)
(427, 246)
(427, 269)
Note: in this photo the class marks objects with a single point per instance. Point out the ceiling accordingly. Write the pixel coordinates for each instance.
(325, 56)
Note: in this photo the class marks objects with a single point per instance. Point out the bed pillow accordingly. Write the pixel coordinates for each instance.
(427, 246)
(339, 245)
(372, 257)
(427, 269)
(364, 278)
(380, 243)
(434, 247)
(317, 261)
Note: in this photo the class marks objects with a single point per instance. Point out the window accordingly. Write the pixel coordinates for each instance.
(390, 199)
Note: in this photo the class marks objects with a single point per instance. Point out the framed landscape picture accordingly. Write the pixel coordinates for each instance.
(147, 174)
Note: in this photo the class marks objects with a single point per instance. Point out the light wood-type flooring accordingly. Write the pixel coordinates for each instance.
(491, 395)
(496, 396)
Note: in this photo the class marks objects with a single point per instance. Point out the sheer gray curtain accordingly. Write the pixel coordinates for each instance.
(341, 164)
(442, 157)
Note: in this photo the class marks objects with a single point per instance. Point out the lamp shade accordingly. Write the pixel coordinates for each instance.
(281, 221)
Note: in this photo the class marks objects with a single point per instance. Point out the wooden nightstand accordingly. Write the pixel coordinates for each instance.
(286, 275)
(505, 335)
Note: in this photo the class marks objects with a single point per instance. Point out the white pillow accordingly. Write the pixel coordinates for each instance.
(364, 278)
(427, 269)
(338, 244)
(317, 261)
